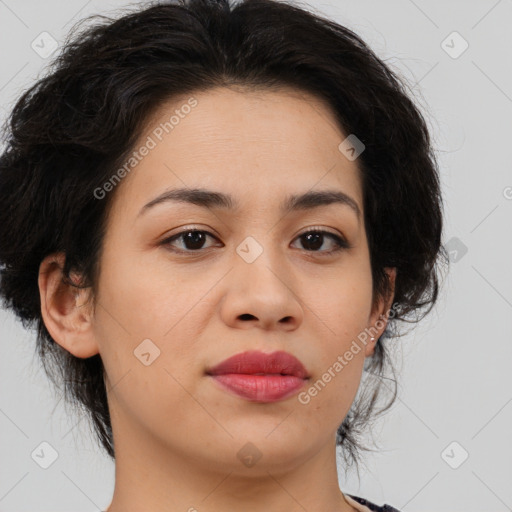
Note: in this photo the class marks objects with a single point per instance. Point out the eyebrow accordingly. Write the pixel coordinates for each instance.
(218, 200)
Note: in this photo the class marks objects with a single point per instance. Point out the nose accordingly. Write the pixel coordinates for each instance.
(262, 294)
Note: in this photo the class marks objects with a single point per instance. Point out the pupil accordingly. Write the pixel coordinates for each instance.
(317, 237)
(194, 238)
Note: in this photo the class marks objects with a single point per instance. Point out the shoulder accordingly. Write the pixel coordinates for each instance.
(368, 505)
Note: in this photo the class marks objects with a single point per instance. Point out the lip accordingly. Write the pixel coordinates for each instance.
(260, 377)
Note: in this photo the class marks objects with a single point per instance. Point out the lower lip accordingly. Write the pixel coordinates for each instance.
(260, 388)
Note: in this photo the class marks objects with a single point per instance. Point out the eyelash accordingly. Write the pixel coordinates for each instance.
(340, 242)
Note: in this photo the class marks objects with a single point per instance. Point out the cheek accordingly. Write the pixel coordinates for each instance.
(145, 296)
(341, 312)
(326, 401)
(342, 301)
(147, 345)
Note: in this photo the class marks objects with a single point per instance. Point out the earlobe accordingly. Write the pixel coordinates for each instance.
(379, 317)
(63, 308)
(370, 345)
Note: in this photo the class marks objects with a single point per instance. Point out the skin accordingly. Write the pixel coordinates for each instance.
(177, 433)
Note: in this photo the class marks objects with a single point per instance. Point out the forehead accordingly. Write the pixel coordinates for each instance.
(252, 143)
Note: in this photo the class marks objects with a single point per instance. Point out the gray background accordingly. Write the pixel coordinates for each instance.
(455, 378)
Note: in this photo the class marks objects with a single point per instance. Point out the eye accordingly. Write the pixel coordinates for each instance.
(314, 239)
(193, 240)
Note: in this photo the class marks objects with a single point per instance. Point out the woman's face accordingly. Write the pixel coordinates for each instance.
(250, 280)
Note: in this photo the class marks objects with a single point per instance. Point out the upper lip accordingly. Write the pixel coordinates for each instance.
(254, 362)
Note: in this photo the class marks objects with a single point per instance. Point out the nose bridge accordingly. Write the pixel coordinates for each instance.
(261, 286)
(261, 254)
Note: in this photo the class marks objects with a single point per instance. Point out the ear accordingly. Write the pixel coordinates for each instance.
(65, 309)
(380, 312)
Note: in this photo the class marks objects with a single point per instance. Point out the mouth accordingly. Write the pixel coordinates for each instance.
(259, 377)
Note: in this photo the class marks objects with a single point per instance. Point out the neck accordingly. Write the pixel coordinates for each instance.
(157, 478)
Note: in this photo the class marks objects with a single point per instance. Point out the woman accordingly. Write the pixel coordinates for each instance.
(215, 215)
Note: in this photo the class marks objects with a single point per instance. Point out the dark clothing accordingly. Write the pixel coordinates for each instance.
(372, 506)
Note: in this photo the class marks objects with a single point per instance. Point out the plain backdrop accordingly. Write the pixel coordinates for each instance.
(446, 444)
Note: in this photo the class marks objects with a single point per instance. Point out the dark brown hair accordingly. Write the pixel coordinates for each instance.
(70, 131)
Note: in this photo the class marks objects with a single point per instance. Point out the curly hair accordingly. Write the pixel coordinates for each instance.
(73, 127)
